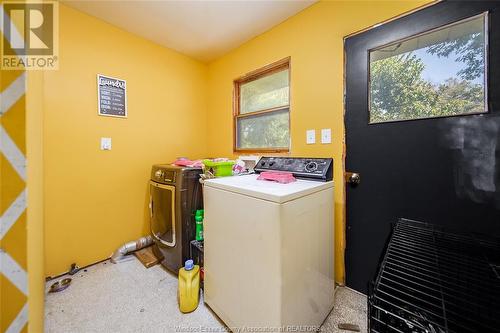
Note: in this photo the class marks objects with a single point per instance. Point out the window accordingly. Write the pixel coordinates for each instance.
(439, 73)
(262, 109)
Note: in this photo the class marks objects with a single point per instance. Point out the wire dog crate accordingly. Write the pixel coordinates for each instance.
(434, 281)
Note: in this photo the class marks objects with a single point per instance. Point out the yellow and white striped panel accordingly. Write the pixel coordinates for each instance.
(13, 236)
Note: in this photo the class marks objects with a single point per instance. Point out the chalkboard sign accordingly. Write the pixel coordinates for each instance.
(112, 96)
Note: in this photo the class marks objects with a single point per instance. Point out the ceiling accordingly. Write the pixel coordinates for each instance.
(203, 30)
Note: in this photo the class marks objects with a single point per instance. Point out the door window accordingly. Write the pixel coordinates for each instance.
(438, 73)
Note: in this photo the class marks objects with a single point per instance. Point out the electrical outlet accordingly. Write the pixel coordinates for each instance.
(326, 135)
(310, 136)
(105, 143)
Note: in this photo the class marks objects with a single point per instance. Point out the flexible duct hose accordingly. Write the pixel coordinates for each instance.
(120, 254)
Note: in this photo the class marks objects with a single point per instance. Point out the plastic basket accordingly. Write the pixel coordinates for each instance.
(219, 169)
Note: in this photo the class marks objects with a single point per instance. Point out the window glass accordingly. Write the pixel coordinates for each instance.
(435, 74)
(268, 92)
(267, 130)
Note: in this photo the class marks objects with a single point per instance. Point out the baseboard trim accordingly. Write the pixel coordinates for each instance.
(50, 278)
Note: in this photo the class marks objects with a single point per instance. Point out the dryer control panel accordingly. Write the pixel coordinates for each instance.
(320, 169)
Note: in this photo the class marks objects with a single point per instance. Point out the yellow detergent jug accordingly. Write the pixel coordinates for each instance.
(189, 287)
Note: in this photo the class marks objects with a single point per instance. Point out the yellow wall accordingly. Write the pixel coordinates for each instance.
(35, 232)
(314, 40)
(96, 200)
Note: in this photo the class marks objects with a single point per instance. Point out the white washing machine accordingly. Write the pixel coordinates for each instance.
(269, 253)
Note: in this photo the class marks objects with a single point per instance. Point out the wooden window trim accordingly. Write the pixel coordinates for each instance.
(252, 76)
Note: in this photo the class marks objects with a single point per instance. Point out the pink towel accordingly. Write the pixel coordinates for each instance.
(188, 163)
(280, 177)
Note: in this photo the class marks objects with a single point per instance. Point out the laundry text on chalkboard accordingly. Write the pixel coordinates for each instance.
(112, 95)
(109, 82)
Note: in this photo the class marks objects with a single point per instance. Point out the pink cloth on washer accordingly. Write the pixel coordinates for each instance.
(188, 163)
(280, 177)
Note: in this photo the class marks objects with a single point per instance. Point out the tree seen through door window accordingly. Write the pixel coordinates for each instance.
(435, 74)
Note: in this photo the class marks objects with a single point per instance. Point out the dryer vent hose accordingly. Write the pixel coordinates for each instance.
(120, 254)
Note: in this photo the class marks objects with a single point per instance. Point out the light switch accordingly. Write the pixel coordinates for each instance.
(326, 135)
(105, 143)
(310, 136)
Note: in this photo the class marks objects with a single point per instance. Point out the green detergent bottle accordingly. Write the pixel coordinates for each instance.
(199, 224)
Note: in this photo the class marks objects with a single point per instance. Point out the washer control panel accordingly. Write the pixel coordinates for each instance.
(304, 168)
(163, 174)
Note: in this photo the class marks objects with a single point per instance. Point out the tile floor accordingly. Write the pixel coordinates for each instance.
(127, 297)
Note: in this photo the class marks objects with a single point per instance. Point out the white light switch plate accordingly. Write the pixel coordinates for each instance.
(326, 135)
(310, 136)
(105, 143)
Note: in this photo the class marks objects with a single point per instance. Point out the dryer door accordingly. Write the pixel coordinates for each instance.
(162, 213)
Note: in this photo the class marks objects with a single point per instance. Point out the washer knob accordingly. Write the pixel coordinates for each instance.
(311, 166)
(159, 174)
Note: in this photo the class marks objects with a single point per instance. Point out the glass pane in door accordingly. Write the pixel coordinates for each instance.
(434, 74)
(162, 214)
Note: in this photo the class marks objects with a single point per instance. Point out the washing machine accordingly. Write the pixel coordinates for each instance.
(174, 196)
(269, 247)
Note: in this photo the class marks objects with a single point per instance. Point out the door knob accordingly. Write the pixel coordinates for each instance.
(352, 178)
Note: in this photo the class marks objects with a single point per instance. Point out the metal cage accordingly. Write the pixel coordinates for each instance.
(431, 280)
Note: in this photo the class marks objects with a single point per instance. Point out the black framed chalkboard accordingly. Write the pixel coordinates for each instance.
(112, 96)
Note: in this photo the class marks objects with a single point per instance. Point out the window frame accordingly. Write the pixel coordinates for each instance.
(252, 76)
(485, 15)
